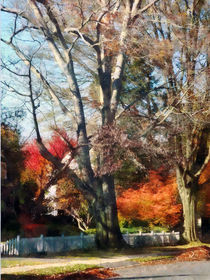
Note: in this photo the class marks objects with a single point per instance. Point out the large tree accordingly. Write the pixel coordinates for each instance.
(97, 31)
(180, 32)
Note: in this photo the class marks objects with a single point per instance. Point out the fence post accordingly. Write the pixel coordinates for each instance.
(18, 245)
(9, 251)
(13, 247)
(63, 241)
(5, 248)
(128, 239)
(152, 238)
(82, 240)
(163, 232)
(172, 237)
(42, 242)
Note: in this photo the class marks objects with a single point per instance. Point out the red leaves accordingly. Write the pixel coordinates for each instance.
(33, 158)
(40, 169)
(59, 145)
(154, 201)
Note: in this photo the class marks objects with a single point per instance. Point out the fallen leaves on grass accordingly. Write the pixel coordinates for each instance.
(88, 274)
(195, 254)
(191, 254)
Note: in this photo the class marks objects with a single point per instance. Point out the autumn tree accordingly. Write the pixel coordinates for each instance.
(11, 165)
(100, 28)
(204, 192)
(40, 170)
(154, 200)
(179, 52)
(73, 203)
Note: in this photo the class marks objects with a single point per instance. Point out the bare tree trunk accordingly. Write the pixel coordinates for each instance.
(187, 191)
(104, 210)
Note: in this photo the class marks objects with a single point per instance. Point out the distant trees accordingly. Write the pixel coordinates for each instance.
(11, 160)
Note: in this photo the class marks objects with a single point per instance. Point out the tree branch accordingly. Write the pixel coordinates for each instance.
(42, 78)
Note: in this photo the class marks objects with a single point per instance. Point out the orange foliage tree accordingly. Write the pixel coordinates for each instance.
(204, 201)
(154, 201)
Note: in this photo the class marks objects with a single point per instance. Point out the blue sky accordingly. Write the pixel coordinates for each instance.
(9, 99)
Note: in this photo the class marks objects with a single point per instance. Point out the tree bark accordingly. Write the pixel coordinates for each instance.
(187, 190)
(108, 233)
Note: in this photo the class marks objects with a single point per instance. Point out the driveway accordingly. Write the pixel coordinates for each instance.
(174, 271)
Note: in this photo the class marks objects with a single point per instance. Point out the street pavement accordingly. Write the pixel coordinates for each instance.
(174, 271)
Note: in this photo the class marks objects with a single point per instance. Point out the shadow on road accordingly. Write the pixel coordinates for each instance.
(156, 277)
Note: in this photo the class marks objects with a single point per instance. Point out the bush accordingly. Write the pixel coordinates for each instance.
(158, 228)
(133, 230)
(143, 229)
(90, 231)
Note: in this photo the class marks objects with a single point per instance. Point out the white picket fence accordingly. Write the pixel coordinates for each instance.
(39, 245)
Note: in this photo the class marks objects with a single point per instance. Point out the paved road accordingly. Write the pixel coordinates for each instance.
(174, 271)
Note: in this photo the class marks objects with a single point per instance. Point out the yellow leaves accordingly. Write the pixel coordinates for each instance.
(27, 175)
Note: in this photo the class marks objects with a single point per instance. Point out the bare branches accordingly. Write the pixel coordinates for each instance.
(46, 84)
(84, 38)
(15, 12)
(12, 89)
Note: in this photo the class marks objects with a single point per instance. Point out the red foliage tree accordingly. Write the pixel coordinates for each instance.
(37, 168)
(61, 143)
(154, 201)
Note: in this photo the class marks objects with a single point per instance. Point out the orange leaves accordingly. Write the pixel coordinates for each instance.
(205, 191)
(154, 201)
(205, 175)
